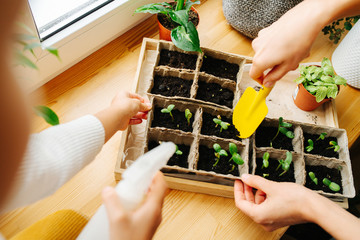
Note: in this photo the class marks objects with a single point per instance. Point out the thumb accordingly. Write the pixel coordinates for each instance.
(112, 203)
(257, 182)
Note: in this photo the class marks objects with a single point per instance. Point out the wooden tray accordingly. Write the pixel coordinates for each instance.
(279, 102)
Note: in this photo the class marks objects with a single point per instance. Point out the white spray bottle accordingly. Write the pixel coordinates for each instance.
(131, 189)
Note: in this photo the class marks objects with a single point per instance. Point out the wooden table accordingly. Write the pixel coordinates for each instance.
(90, 85)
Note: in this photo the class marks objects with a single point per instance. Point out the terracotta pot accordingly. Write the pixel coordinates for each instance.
(305, 100)
(165, 34)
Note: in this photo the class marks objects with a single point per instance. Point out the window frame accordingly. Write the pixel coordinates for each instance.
(82, 38)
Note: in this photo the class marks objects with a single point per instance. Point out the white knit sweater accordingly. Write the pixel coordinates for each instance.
(53, 157)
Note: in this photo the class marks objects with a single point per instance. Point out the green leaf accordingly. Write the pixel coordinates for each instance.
(337, 148)
(326, 182)
(181, 17)
(224, 125)
(223, 153)
(327, 79)
(332, 91)
(217, 121)
(334, 187)
(31, 46)
(311, 145)
(290, 134)
(154, 8)
(186, 38)
(164, 110)
(288, 158)
(25, 37)
(325, 62)
(21, 59)
(27, 28)
(189, 3)
(266, 156)
(170, 107)
(217, 147)
(285, 124)
(313, 177)
(311, 88)
(329, 70)
(283, 130)
(299, 80)
(179, 5)
(237, 159)
(53, 51)
(321, 93)
(178, 152)
(340, 80)
(232, 148)
(47, 114)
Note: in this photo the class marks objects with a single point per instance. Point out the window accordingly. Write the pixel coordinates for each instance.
(82, 32)
(52, 16)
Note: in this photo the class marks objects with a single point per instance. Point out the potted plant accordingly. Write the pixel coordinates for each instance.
(176, 22)
(316, 85)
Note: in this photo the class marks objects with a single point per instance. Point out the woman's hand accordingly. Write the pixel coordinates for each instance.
(126, 109)
(273, 205)
(140, 224)
(281, 46)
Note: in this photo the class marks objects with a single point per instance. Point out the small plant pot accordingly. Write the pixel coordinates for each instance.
(165, 34)
(305, 100)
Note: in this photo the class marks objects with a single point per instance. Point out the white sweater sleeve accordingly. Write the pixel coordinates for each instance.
(53, 157)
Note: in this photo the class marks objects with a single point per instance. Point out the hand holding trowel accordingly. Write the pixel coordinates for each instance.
(251, 110)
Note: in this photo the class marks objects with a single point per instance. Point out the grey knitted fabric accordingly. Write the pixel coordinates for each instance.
(249, 17)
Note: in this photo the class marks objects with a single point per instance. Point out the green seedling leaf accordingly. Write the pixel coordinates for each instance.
(223, 153)
(322, 136)
(327, 79)
(265, 175)
(340, 80)
(311, 88)
(189, 4)
(217, 121)
(224, 125)
(285, 125)
(232, 148)
(285, 164)
(188, 116)
(311, 145)
(333, 186)
(290, 134)
(313, 177)
(168, 110)
(216, 147)
(177, 151)
(332, 91)
(325, 62)
(265, 160)
(237, 159)
(300, 80)
(47, 114)
(336, 148)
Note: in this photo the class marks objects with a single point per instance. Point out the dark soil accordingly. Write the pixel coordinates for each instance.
(164, 120)
(322, 172)
(175, 160)
(264, 135)
(169, 24)
(207, 160)
(171, 86)
(208, 127)
(320, 146)
(273, 173)
(177, 59)
(219, 68)
(212, 92)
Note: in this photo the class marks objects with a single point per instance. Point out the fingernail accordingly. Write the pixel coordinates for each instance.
(268, 84)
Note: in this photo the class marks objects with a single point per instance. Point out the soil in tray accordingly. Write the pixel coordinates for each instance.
(264, 135)
(167, 23)
(177, 60)
(171, 86)
(164, 120)
(322, 172)
(207, 160)
(212, 92)
(320, 146)
(219, 68)
(175, 160)
(273, 173)
(208, 127)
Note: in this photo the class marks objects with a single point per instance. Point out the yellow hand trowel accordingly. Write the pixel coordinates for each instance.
(250, 111)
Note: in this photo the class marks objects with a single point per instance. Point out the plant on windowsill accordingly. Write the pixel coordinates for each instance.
(316, 85)
(29, 42)
(177, 22)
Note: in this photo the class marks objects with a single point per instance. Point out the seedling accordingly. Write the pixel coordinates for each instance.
(188, 116)
(285, 164)
(333, 186)
(218, 122)
(313, 177)
(322, 136)
(283, 128)
(265, 175)
(218, 153)
(334, 145)
(265, 160)
(178, 152)
(168, 110)
(311, 145)
(235, 156)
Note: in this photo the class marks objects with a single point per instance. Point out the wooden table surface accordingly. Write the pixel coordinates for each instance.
(90, 85)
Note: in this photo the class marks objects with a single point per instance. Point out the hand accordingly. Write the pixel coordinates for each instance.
(281, 46)
(140, 224)
(131, 108)
(273, 205)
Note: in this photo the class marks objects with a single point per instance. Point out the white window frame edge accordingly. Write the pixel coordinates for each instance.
(81, 39)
